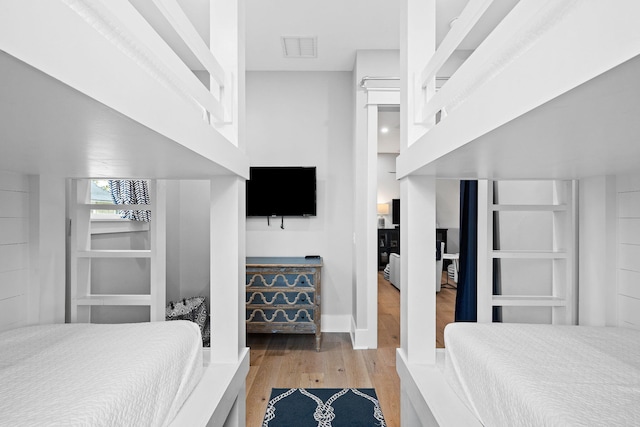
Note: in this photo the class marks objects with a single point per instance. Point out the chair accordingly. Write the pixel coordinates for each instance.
(394, 267)
(454, 267)
(439, 258)
(394, 270)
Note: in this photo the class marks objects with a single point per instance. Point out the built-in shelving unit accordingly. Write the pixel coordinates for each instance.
(563, 298)
(82, 297)
(388, 243)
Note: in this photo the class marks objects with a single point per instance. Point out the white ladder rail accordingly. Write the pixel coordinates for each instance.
(158, 237)
(80, 242)
(563, 298)
(81, 254)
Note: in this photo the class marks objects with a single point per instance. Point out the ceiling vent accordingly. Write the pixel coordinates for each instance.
(299, 46)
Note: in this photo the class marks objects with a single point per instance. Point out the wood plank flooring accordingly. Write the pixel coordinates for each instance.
(283, 361)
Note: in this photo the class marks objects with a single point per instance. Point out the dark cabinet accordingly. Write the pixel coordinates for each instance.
(388, 243)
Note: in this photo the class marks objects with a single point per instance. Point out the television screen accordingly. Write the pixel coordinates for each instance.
(281, 191)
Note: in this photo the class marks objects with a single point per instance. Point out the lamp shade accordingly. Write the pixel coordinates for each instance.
(383, 208)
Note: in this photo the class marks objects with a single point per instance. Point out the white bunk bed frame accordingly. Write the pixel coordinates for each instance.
(99, 79)
(545, 62)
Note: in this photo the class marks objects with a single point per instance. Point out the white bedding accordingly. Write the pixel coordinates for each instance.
(542, 375)
(99, 375)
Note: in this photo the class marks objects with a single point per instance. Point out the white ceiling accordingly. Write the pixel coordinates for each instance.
(341, 26)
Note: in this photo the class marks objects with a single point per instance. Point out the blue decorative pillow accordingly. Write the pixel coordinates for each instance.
(193, 309)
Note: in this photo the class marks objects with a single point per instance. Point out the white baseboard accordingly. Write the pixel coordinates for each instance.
(360, 338)
(336, 323)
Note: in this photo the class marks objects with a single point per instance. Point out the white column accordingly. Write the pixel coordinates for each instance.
(365, 330)
(485, 248)
(371, 281)
(227, 268)
(417, 45)
(47, 226)
(418, 268)
(597, 231)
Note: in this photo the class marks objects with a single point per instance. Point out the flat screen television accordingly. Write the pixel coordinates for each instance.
(281, 191)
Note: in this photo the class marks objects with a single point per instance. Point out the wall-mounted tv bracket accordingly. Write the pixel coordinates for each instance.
(281, 222)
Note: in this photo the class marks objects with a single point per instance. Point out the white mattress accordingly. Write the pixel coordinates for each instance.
(98, 375)
(542, 375)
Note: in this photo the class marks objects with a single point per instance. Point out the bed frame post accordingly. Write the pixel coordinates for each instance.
(227, 268)
(418, 263)
(485, 247)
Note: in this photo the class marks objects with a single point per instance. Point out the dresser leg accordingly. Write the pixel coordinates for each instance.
(318, 339)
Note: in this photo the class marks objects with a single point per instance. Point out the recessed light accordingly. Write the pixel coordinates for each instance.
(384, 129)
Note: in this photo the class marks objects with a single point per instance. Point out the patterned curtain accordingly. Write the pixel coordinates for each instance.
(131, 192)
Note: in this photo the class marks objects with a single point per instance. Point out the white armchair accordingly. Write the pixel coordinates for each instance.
(394, 269)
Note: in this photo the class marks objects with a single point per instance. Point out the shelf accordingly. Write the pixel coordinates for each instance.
(529, 208)
(98, 299)
(527, 301)
(129, 253)
(528, 255)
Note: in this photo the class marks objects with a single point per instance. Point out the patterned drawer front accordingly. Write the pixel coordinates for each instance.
(280, 315)
(280, 298)
(280, 280)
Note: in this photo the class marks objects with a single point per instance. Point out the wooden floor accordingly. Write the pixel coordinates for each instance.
(287, 361)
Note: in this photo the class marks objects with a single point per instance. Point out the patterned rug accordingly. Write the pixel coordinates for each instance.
(323, 407)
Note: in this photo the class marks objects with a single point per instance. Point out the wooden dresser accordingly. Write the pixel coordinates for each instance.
(283, 295)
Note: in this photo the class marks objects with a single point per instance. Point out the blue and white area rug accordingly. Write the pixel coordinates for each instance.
(323, 407)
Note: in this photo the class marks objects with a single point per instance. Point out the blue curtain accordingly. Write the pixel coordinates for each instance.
(131, 192)
(467, 294)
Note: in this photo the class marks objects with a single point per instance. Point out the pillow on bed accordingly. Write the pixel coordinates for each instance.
(193, 309)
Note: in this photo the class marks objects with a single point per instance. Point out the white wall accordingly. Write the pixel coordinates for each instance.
(14, 249)
(628, 254)
(305, 119)
(32, 250)
(188, 249)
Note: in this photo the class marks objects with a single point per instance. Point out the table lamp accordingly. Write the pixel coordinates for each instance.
(383, 209)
